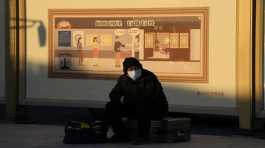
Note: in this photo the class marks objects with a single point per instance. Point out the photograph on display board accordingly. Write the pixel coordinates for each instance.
(172, 44)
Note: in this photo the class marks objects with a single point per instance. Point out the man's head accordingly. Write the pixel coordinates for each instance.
(137, 38)
(117, 37)
(95, 39)
(131, 62)
(132, 67)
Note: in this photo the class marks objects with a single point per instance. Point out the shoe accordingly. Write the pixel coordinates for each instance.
(118, 138)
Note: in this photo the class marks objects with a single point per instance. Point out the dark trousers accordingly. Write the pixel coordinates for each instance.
(142, 112)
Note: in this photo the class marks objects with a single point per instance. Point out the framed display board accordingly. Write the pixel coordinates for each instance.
(94, 43)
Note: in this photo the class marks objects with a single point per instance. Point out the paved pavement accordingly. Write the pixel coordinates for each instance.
(50, 136)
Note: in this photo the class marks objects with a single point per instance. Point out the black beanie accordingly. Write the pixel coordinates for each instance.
(130, 61)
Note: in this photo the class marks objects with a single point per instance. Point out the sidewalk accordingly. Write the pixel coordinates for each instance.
(50, 136)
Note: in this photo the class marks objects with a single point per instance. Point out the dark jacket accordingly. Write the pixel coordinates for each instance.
(145, 90)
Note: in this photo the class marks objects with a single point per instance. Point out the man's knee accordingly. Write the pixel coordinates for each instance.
(113, 108)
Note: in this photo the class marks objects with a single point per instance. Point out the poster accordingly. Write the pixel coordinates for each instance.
(94, 46)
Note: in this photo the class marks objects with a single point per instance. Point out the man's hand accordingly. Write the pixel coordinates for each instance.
(122, 99)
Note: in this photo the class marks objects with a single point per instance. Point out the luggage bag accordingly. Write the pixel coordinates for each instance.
(170, 130)
(77, 132)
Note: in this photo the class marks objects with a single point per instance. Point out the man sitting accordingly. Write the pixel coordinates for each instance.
(137, 94)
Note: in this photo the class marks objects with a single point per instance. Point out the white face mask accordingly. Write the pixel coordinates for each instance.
(135, 74)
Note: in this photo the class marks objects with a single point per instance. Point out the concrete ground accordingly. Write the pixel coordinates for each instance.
(50, 136)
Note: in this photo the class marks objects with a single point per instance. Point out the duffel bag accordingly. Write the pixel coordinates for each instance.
(78, 132)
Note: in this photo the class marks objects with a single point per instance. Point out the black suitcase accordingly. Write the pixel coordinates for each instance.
(170, 130)
(77, 132)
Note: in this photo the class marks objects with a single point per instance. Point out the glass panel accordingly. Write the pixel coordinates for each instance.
(149, 40)
(174, 40)
(184, 40)
(162, 41)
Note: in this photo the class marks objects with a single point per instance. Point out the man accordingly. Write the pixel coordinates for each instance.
(138, 94)
(95, 50)
(117, 50)
(136, 46)
(79, 46)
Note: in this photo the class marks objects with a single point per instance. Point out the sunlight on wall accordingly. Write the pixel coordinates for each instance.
(220, 91)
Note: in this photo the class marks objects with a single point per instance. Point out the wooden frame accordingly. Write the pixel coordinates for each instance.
(249, 62)
(259, 59)
(244, 62)
(12, 59)
(22, 50)
(65, 15)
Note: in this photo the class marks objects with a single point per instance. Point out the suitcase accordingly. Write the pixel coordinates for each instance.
(165, 130)
(170, 130)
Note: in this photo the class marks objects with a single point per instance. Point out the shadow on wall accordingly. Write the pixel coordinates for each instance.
(180, 98)
(28, 23)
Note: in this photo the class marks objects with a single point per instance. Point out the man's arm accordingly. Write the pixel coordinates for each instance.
(116, 92)
(159, 95)
(121, 45)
